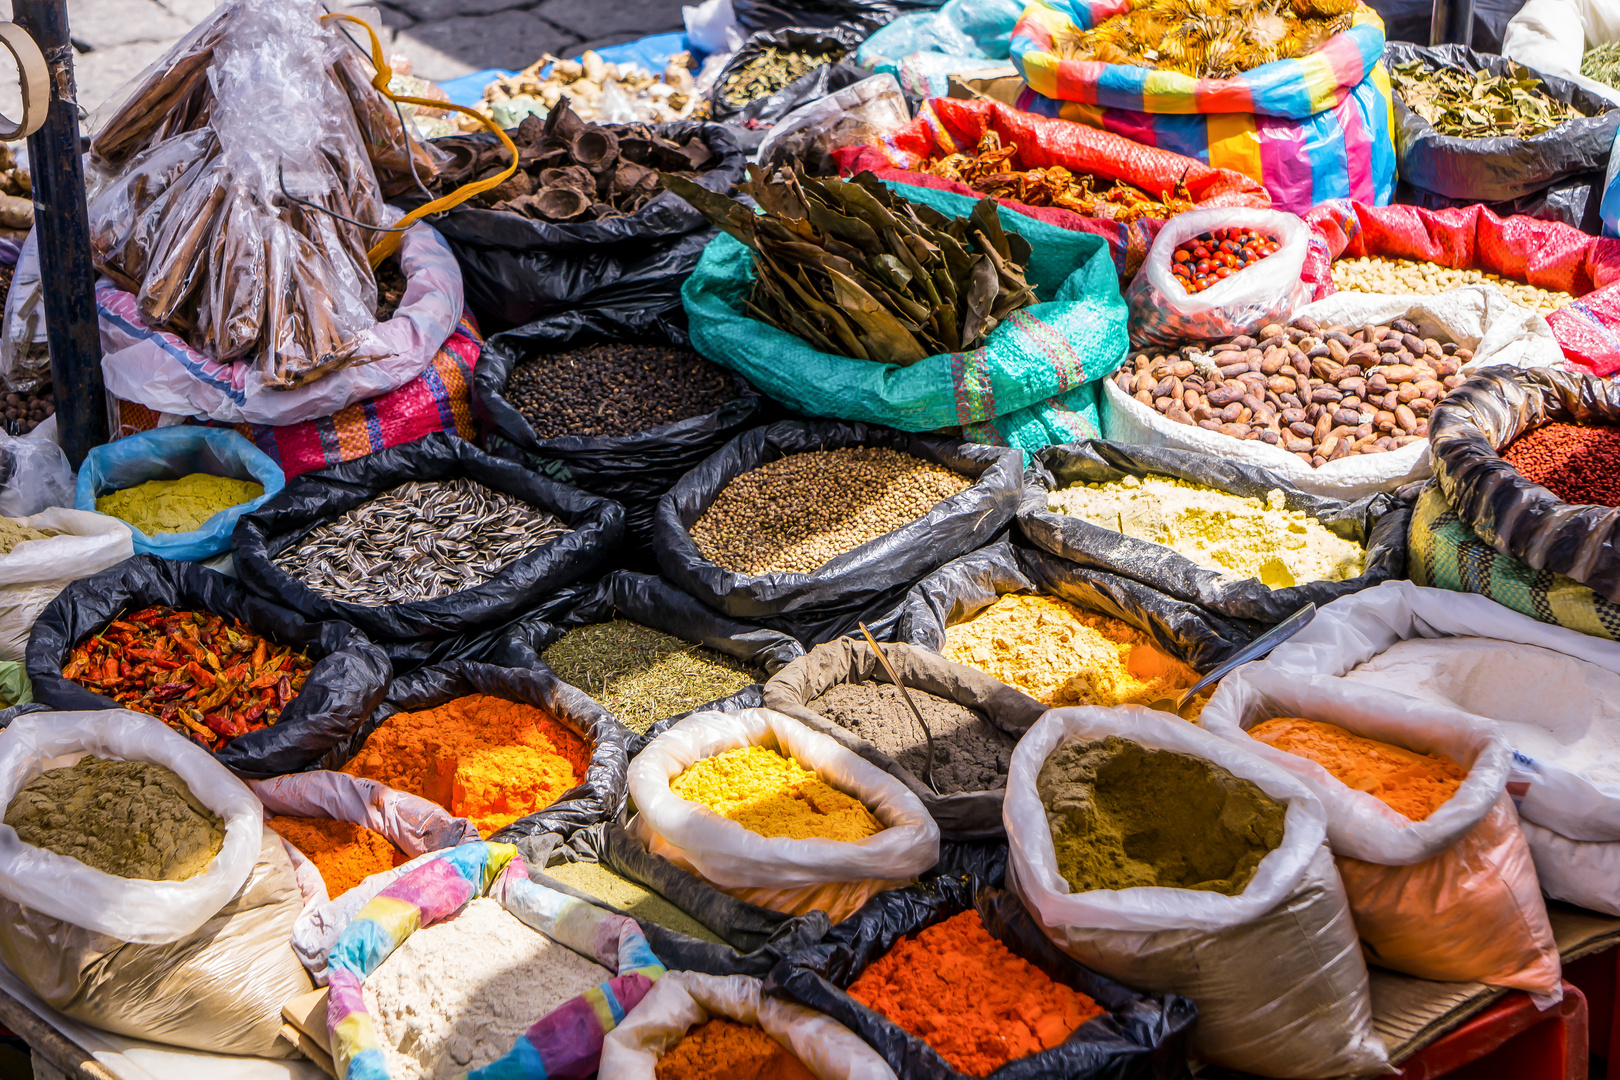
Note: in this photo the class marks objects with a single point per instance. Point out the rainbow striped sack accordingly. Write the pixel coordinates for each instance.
(566, 1043)
(1309, 129)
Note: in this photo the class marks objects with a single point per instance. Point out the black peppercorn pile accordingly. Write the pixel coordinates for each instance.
(615, 389)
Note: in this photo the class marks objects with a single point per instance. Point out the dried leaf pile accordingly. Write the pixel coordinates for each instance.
(772, 69)
(1209, 39)
(1479, 105)
(569, 170)
(854, 269)
(1603, 64)
(994, 170)
(597, 89)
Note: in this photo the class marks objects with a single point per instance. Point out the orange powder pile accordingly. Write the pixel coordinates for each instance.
(345, 854)
(1408, 782)
(969, 997)
(723, 1049)
(483, 758)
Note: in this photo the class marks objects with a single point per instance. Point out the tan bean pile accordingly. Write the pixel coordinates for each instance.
(1373, 274)
(1321, 393)
(795, 513)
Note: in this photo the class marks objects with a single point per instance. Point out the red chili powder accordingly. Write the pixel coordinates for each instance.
(1579, 463)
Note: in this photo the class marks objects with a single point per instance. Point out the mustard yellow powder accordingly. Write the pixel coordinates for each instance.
(1236, 536)
(177, 506)
(772, 795)
(1060, 655)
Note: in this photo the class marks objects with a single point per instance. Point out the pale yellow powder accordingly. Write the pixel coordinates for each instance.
(1235, 536)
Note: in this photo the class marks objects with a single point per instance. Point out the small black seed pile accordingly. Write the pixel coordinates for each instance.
(23, 413)
(615, 389)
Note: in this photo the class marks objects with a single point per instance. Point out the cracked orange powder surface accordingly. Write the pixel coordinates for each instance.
(1408, 782)
(761, 790)
(483, 758)
(970, 997)
(345, 853)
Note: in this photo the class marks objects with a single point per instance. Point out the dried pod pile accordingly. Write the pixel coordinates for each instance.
(1321, 393)
(774, 68)
(1479, 105)
(596, 89)
(615, 389)
(854, 269)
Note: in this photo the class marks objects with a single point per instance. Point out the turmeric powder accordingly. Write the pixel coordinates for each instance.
(722, 1049)
(345, 853)
(1408, 782)
(483, 758)
(971, 998)
(774, 796)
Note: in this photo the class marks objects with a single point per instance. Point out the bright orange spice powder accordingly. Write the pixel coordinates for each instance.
(483, 758)
(1407, 782)
(345, 854)
(722, 1049)
(970, 997)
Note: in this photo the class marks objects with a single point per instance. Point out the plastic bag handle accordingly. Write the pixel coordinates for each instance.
(390, 241)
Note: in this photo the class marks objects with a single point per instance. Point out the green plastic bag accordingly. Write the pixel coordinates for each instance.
(1033, 383)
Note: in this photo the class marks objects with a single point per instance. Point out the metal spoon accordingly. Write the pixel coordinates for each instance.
(1254, 650)
(928, 765)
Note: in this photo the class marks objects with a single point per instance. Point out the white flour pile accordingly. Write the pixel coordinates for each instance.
(456, 996)
(1555, 708)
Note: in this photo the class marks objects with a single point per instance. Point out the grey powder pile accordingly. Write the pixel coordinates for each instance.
(970, 753)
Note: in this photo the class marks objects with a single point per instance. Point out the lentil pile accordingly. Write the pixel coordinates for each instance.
(483, 758)
(1410, 783)
(14, 532)
(795, 514)
(615, 389)
(1060, 655)
(722, 1049)
(345, 854)
(134, 819)
(970, 753)
(1124, 816)
(970, 997)
(1212, 257)
(1375, 274)
(420, 541)
(1237, 536)
(596, 880)
(1579, 463)
(641, 675)
(1321, 393)
(176, 506)
(208, 678)
(774, 796)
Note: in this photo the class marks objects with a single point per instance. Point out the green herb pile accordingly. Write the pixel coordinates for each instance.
(1603, 64)
(1479, 105)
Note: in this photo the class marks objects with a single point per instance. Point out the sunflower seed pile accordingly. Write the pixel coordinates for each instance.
(420, 541)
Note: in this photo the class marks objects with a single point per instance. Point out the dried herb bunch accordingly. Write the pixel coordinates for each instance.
(854, 269)
(1479, 105)
(569, 170)
(1209, 39)
(774, 68)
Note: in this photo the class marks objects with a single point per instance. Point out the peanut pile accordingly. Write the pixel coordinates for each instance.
(1373, 274)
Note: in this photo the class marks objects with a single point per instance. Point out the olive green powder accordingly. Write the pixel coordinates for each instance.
(1124, 816)
(135, 819)
(596, 880)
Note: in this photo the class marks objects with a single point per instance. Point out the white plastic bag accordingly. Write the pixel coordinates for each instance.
(34, 571)
(682, 1000)
(25, 354)
(861, 113)
(1477, 317)
(1165, 313)
(1279, 980)
(1576, 871)
(144, 912)
(1553, 35)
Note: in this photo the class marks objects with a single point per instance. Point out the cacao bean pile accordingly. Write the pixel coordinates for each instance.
(615, 389)
(1320, 392)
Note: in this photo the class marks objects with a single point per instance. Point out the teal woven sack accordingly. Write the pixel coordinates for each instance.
(1033, 383)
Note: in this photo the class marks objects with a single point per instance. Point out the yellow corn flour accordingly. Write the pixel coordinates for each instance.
(1236, 536)
(1060, 655)
(177, 506)
(772, 795)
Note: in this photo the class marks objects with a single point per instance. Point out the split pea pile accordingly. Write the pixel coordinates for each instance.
(796, 513)
(1373, 274)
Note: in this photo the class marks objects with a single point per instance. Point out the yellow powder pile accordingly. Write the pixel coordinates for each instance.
(1408, 782)
(177, 506)
(1238, 537)
(14, 532)
(772, 795)
(1060, 655)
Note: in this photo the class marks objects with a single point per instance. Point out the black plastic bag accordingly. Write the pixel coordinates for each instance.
(633, 470)
(516, 269)
(1140, 1035)
(961, 589)
(964, 815)
(1576, 201)
(345, 685)
(826, 79)
(870, 14)
(318, 497)
(862, 583)
(482, 643)
(1378, 522)
(1498, 170)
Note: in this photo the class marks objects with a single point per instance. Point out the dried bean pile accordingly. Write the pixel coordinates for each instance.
(615, 389)
(419, 541)
(795, 513)
(1321, 393)
(1577, 463)
(1373, 274)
